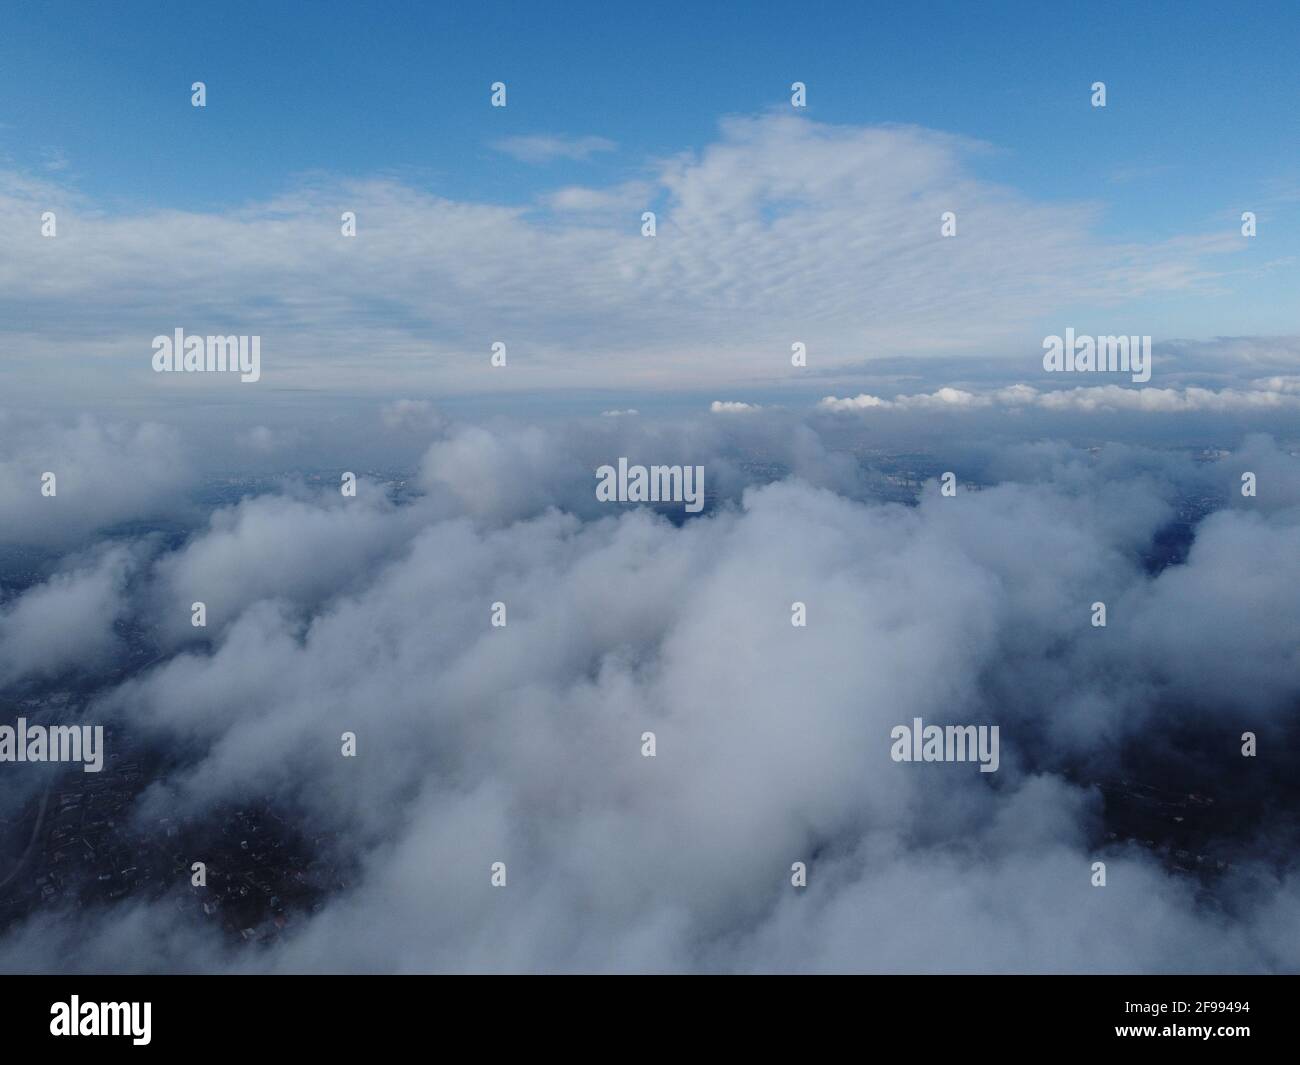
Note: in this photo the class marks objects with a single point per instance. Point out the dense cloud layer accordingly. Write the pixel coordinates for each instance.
(523, 744)
(103, 472)
(66, 623)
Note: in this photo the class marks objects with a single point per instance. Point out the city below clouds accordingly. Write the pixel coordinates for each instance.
(371, 615)
(601, 532)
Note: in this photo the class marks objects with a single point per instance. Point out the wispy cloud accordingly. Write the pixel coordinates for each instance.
(546, 149)
(55, 160)
(782, 230)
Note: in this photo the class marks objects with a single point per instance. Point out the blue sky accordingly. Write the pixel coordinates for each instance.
(1202, 97)
(1202, 119)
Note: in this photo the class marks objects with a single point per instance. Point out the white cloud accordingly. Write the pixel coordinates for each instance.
(66, 623)
(545, 149)
(619, 204)
(263, 440)
(522, 744)
(410, 414)
(1086, 399)
(781, 224)
(103, 472)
